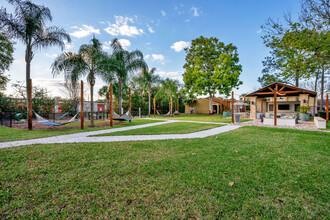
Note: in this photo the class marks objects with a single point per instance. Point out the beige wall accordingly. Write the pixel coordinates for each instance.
(202, 106)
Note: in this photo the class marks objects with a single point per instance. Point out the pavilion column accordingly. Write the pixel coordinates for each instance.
(253, 107)
(303, 98)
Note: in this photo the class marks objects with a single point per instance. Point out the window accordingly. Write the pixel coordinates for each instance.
(271, 107)
(283, 107)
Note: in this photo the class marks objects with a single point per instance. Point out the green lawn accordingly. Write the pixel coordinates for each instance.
(206, 118)
(11, 134)
(277, 173)
(171, 128)
(328, 126)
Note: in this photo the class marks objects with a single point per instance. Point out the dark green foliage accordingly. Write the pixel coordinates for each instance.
(6, 57)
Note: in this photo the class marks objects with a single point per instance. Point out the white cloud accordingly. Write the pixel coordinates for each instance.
(68, 45)
(150, 29)
(53, 56)
(163, 13)
(147, 56)
(195, 10)
(180, 45)
(158, 57)
(167, 74)
(148, 43)
(84, 31)
(124, 43)
(122, 27)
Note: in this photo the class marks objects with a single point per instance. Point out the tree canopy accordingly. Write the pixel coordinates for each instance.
(211, 66)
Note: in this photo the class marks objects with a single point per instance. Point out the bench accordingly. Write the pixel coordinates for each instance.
(320, 122)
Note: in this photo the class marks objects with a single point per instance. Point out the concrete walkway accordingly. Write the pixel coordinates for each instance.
(84, 136)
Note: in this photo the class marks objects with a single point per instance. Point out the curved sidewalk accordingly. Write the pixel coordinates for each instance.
(84, 136)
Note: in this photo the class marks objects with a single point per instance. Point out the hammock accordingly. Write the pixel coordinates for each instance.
(168, 113)
(176, 113)
(47, 122)
(157, 112)
(62, 116)
(125, 117)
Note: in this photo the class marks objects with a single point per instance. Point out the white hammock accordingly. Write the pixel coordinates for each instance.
(47, 122)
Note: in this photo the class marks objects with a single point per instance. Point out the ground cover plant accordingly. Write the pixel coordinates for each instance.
(12, 134)
(251, 172)
(170, 128)
(206, 118)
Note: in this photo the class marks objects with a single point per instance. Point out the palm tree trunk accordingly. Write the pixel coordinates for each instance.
(322, 88)
(28, 58)
(120, 97)
(92, 104)
(149, 102)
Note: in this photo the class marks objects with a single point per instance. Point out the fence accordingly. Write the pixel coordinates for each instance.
(8, 118)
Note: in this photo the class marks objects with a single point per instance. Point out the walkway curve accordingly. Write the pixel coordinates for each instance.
(85, 137)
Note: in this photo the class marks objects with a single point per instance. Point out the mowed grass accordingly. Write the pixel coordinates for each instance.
(277, 173)
(206, 118)
(12, 134)
(170, 128)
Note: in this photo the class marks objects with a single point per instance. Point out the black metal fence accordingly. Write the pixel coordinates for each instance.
(8, 118)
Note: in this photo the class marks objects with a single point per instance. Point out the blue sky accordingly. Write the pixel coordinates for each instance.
(160, 29)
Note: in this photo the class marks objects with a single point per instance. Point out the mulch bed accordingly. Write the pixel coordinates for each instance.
(39, 126)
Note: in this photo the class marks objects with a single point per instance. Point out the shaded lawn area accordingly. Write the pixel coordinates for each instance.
(12, 134)
(277, 173)
(206, 118)
(328, 126)
(171, 128)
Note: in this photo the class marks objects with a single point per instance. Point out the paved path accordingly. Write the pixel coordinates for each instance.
(84, 136)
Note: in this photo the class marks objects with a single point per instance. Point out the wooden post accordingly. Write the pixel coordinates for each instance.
(275, 106)
(130, 103)
(171, 106)
(177, 106)
(221, 101)
(30, 104)
(82, 105)
(154, 107)
(327, 108)
(232, 107)
(111, 107)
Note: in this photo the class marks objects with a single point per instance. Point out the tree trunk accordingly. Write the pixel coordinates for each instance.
(315, 89)
(322, 88)
(28, 58)
(211, 104)
(92, 104)
(297, 81)
(149, 101)
(120, 97)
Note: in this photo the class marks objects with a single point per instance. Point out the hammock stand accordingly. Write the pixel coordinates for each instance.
(47, 122)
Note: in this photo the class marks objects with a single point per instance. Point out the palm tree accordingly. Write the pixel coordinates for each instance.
(121, 63)
(105, 92)
(27, 25)
(88, 61)
(169, 87)
(149, 78)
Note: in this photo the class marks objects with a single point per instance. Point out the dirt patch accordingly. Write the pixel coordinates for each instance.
(39, 126)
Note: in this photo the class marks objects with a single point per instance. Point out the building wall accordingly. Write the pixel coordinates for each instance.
(202, 106)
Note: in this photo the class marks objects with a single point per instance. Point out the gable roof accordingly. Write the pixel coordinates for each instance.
(283, 90)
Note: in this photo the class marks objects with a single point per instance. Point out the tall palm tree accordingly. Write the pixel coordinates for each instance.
(169, 87)
(105, 92)
(88, 61)
(149, 78)
(119, 64)
(27, 24)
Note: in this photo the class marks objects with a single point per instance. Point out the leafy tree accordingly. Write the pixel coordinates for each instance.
(120, 63)
(169, 88)
(88, 61)
(71, 90)
(149, 78)
(211, 66)
(6, 57)
(27, 24)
